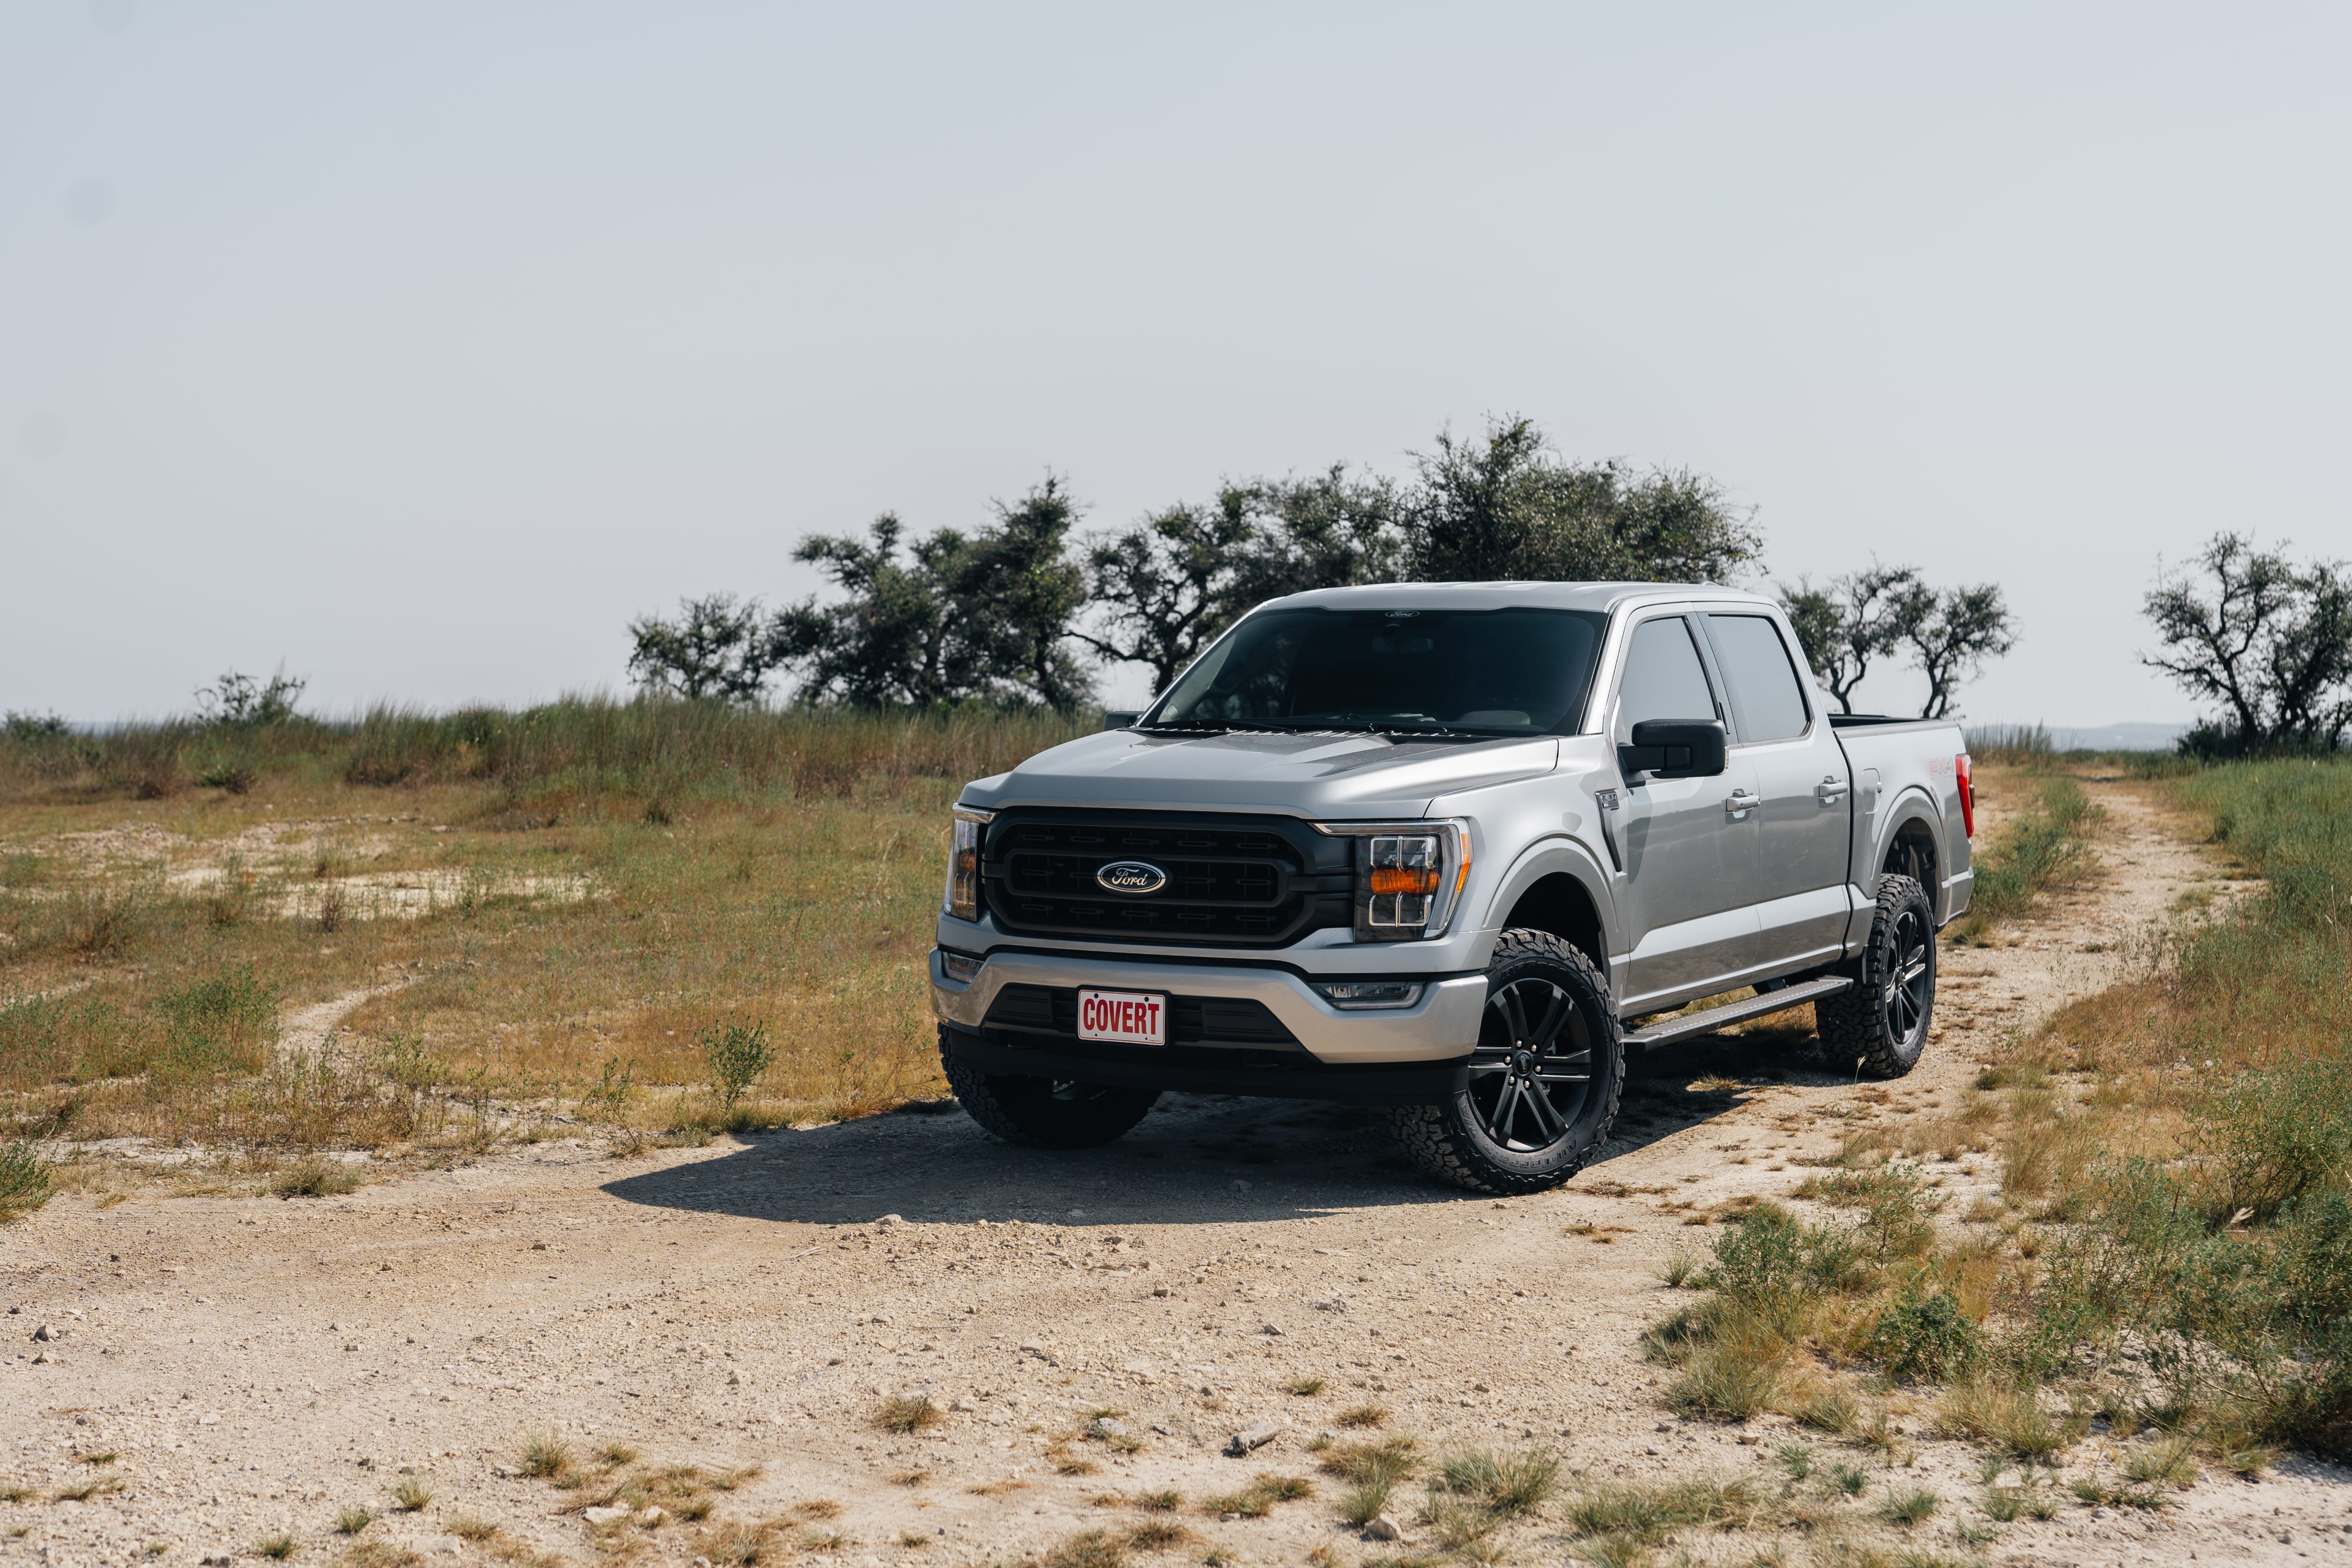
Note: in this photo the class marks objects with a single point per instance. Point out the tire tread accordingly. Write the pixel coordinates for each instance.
(1428, 1134)
(1852, 1024)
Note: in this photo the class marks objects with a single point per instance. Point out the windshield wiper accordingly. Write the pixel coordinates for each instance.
(1219, 725)
(1432, 730)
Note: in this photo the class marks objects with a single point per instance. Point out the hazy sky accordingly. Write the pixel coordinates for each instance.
(420, 346)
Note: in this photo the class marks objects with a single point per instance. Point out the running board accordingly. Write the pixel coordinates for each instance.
(1683, 1027)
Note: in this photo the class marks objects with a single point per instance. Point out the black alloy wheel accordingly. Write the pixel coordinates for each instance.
(1911, 987)
(1541, 1084)
(1880, 1026)
(1532, 1071)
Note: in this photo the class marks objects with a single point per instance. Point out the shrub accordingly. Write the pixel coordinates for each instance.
(1923, 1338)
(545, 1455)
(1508, 1484)
(315, 1177)
(2274, 1135)
(737, 1054)
(907, 1413)
(24, 1179)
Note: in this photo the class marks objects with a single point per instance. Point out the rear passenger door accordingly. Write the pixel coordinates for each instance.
(1687, 848)
(1804, 830)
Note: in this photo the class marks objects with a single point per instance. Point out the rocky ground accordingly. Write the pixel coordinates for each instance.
(220, 1372)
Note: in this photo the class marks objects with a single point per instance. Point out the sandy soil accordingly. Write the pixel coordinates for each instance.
(257, 1366)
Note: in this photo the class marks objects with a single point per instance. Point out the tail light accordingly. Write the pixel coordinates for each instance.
(963, 899)
(1968, 794)
(1409, 876)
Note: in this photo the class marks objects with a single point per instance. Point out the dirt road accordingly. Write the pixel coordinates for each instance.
(258, 1367)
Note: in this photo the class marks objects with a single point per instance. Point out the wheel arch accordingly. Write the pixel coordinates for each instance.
(1557, 887)
(1914, 847)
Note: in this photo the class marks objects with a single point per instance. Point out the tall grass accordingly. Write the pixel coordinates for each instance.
(659, 750)
(2012, 743)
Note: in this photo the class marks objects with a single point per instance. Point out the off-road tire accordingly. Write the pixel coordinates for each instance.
(1453, 1140)
(1044, 1113)
(1865, 1028)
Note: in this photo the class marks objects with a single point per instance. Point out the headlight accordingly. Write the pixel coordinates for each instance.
(964, 863)
(1409, 876)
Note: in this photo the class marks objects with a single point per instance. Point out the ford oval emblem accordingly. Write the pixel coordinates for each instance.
(1133, 877)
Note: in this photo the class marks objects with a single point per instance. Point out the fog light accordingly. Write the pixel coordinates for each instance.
(961, 967)
(1354, 994)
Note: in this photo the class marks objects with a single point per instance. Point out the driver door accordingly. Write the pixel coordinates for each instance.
(1688, 845)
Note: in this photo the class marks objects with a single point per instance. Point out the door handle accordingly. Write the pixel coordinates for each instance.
(1830, 790)
(1740, 802)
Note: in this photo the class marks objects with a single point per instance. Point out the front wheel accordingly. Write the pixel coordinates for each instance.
(1544, 1080)
(1880, 1026)
(1044, 1113)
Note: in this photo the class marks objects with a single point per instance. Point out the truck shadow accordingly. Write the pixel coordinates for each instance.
(1196, 1159)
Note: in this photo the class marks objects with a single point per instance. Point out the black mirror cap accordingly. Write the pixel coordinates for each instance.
(1121, 718)
(1676, 749)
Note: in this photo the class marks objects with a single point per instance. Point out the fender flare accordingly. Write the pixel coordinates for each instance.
(1915, 804)
(1555, 854)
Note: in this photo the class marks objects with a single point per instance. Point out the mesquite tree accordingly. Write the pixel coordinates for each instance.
(2270, 641)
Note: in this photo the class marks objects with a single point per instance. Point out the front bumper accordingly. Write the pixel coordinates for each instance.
(1441, 1026)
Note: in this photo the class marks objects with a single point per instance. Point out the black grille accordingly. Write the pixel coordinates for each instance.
(1233, 881)
(1191, 1020)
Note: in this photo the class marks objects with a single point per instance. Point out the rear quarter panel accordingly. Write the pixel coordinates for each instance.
(1905, 778)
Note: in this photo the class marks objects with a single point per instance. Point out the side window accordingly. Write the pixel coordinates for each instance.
(1664, 677)
(1765, 696)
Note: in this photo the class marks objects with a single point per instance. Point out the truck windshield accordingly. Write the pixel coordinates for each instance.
(1488, 672)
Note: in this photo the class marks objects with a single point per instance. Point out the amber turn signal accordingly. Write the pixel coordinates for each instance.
(1388, 880)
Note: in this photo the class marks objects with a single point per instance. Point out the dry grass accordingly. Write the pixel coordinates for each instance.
(1260, 1498)
(545, 1457)
(907, 1413)
(606, 883)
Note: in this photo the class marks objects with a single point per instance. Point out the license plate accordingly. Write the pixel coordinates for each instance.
(1129, 1018)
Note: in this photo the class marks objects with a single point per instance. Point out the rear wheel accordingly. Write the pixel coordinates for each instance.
(1880, 1027)
(1544, 1079)
(1044, 1113)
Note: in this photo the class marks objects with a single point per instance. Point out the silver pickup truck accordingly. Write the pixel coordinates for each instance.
(1450, 849)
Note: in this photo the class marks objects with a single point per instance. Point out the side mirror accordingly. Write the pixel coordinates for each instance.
(1121, 718)
(1675, 748)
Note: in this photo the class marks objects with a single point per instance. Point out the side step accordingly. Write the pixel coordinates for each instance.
(1684, 1026)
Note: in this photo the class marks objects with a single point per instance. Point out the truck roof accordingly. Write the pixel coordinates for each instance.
(1598, 596)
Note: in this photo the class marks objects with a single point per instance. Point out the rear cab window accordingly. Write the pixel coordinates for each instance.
(1768, 702)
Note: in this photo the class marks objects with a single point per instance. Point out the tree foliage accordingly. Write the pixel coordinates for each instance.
(961, 617)
(1866, 615)
(1952, 636)
(1507, 508)
(716, 648)
(1856, 618)
(1009, 612)
(1166, 587)
(2269, 641)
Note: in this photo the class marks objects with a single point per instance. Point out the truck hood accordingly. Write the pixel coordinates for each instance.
(1344, 776)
